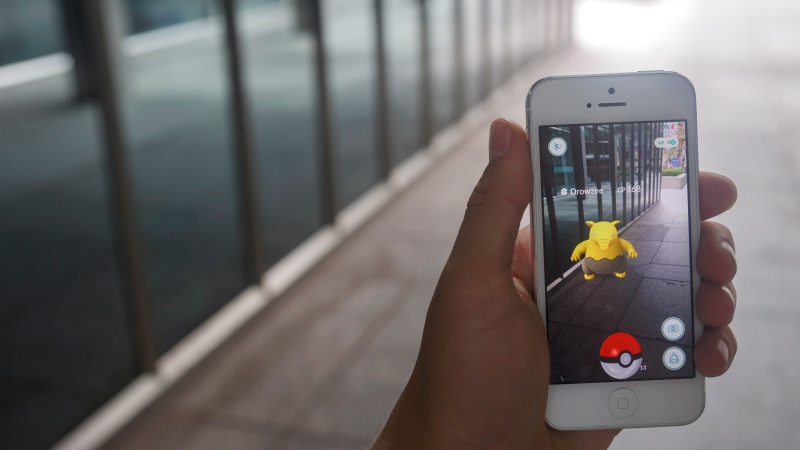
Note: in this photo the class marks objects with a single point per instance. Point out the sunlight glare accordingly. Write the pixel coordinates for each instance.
(630, 26)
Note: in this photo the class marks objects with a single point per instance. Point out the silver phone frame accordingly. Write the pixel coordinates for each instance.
(650, 96)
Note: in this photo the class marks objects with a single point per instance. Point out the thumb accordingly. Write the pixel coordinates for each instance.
(485, 242)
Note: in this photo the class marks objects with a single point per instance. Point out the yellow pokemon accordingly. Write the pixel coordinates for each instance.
(604, 251)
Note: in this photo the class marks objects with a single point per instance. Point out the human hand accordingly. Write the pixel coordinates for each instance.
(483, 370)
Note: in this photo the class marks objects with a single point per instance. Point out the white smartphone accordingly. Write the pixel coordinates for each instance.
(616, 221)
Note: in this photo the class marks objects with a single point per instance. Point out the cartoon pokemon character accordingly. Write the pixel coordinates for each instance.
(604, 251)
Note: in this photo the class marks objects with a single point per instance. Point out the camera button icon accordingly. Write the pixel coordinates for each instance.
(673, 329)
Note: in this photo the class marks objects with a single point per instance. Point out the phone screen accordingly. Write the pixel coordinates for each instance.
(617, 252)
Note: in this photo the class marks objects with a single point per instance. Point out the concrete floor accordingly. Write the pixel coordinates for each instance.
(323, 366)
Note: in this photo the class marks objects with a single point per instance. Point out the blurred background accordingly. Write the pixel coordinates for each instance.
(221, 221)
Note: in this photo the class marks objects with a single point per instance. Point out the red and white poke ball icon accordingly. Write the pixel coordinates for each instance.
(621, 355)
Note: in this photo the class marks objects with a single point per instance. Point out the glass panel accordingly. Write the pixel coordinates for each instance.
(279, 64)
(177, 114)
(473, 48)
(146, 15)
(64, 336)
(402, 21)
(541, 25)
(350, 39)
(498, 32)
(518, 41)
(29, 29)
(443, 60)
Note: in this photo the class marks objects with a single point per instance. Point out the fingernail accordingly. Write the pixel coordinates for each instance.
(499, 139)
(722, 346)
(730, 293)
(729, 249)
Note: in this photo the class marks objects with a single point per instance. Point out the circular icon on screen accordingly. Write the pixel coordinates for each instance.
(673, 328)
(673, 358)
(557, 146)
(621, 356)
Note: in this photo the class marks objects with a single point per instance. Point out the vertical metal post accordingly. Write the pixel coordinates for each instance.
(128, 243)
(547, 23)
(660, 162)
(383, 122)
(646, 165)
(78, 46)
(557, 23)
(643, 163)
(656, 128)
(597, 182)
(508, 29)
(648, 158)
(556, 20)
(250, 235)
(541, 26)
(631, 151)
(538, 18)
(624, 168)
(640, 158)
(459, 83)
(486, 48)
(528, 25)
(656, 133)
(612, 158)
(427, 125)
(653, 164)
(547, 179)
(656, 169)
(578, 162)
(660, 172)
(632, 178)
(330, 202)
(513, 23)
(660, 175)
(568, 22)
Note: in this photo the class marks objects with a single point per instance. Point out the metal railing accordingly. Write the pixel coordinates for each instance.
(525, 30)
(620, 162)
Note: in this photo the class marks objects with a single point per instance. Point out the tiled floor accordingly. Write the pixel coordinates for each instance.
(656, 287)
(322, 367)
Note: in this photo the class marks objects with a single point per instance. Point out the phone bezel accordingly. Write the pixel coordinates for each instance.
(649, 96)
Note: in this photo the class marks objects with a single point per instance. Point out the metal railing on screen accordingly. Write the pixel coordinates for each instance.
(613, 172)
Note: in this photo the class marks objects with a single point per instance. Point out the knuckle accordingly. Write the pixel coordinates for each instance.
(717, 229)
(482, 192)
(724, 231)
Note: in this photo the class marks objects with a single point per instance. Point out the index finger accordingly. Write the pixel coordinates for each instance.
(717, 194)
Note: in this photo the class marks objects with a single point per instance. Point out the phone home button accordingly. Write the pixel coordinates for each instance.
(623, 403)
